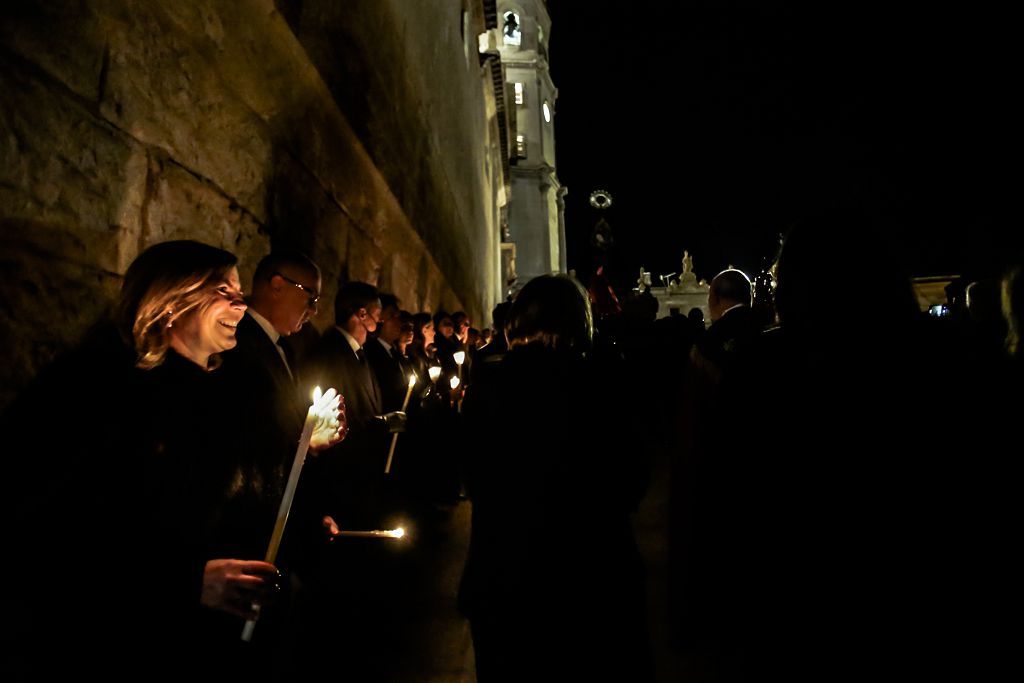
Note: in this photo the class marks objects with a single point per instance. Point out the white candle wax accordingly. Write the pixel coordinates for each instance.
(394, 437)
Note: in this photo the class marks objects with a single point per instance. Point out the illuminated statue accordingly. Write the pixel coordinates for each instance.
(687, 275)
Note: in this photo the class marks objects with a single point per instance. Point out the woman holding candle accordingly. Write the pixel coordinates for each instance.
(169, 514)
(216, 499)
(553, 581)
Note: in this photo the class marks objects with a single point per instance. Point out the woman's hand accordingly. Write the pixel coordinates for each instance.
(234, 586)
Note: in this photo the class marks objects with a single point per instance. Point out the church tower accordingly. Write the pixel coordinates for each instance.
(536, 221)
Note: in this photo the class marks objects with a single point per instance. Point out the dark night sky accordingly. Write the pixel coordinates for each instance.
(717, 124)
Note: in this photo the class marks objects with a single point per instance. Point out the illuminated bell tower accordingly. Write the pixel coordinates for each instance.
(536, 212)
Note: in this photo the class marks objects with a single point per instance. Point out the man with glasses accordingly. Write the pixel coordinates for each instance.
(262, 377)
(285, 291)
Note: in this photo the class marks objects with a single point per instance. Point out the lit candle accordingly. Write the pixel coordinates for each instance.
(394, 437)
(460, 358)
(323, 406)
(455, 382)
(388, 533)
(435, 373)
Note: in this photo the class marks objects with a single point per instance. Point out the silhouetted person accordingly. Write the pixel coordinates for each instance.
(831, 517)
(553, 582)
(733, 323)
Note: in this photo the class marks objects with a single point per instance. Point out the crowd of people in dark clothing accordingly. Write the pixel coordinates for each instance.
(842, 502)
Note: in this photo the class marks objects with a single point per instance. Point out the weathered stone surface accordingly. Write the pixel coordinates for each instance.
(399, 72)
(76, 181)
(123, 124)
(181, 206)
(162, 90)
(64, 39)
(46, 303)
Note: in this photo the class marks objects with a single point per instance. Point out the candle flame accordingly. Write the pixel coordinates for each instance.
(454, 381)
(317, 395)
(398, 533)
(460, 357)
(412, 381)
(435, 372)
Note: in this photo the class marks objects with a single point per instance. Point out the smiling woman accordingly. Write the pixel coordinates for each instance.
(182, 295)
(160, 491)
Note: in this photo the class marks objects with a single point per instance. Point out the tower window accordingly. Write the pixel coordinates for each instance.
(512, 33)
(519, 92)
(547, 113)
(521, 146)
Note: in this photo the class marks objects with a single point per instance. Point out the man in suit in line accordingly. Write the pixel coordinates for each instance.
(339, 360)
(385, 359)
(733, 323)
(262, 375)
(357, 604)
(285, 293)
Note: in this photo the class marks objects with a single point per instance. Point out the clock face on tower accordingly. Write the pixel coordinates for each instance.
(600, 199)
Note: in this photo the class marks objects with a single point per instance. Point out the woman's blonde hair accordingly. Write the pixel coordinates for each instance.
(166, 282)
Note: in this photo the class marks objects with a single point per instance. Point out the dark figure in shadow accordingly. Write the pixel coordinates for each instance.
(553, 581)
(839, 529)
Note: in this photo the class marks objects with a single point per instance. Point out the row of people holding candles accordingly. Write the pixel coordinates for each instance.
(169, 479)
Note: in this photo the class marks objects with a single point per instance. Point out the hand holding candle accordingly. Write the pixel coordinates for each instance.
(331, 426)
(394, 437)
(324, 406)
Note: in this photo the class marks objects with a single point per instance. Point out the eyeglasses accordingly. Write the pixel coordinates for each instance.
(314, 296)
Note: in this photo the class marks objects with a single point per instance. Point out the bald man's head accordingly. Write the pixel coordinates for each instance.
(729, 288)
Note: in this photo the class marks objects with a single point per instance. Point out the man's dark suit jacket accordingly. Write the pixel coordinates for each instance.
(351, 476)
(332, 363)
(273, 407)
(272, 412)
(729, 334)
(391, 374)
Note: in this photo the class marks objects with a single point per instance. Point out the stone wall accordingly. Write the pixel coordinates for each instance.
(124, 124)
(409, 77)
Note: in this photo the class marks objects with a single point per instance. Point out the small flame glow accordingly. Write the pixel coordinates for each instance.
(317, 395)
(454, 381)
(398, 533)
(412, 381)
(460, 357)
(435, 372)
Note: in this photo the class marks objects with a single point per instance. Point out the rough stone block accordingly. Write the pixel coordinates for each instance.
(162, 89)
(68, 183)
(182, 206)
(66, 40)
(46, 304)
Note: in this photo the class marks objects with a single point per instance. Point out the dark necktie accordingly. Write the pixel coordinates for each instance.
(361, 355)
(286, 355)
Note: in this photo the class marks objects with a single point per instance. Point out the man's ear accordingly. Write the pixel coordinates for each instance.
(276, 283)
